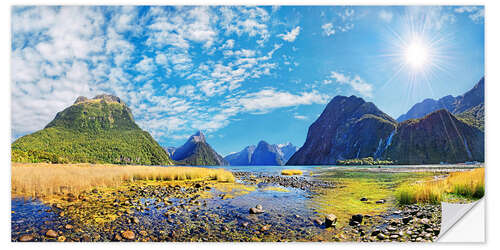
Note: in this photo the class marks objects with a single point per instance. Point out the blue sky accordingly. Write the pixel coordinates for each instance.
(239, 74)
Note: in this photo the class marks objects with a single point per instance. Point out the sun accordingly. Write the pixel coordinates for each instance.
(416, 54)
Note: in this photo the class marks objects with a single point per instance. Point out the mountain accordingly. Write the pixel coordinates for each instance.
(437, 137)
(348, 128)
(287, 150)
(97, 130)
(455, 105)
(267, 154)
(197, 152)
(242, 158)
(473, 116)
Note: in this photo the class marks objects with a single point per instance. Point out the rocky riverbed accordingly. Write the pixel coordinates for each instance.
(203, 211)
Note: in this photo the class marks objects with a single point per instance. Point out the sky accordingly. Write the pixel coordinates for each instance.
(239, 74)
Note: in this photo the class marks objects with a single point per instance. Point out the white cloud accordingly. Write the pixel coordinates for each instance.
(476, 13)
(328, 29)
(290, 36)
(268, 99)
(385, 15)
(146, 65)
(229, 44)
(300, 117)
(357, 84)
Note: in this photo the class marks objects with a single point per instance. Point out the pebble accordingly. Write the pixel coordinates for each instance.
(51, 233)
(129, 235)
(26, 238)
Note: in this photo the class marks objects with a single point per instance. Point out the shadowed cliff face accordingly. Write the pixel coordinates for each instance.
(197, 152)
(348, 128)
(437, 137)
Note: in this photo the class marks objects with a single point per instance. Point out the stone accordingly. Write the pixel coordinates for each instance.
(68, 227)
(394, 236)
(330, 220)
(118, 237)
(381, 236)
(51, 233)
(129, 235)
(382, 201)
(406, 219)
(356, 220)
(245, 224)
(26, 238)
(375, 232)
(143, 233)
(61, 238)
(259, 207)
(364, 199)
(318, 221)
(392, 229)
(265, 228)
(255, 210)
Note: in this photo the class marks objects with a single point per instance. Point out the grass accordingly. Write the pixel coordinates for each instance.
(344, 200)
(291, 172)
(45, 180)
(467, 184)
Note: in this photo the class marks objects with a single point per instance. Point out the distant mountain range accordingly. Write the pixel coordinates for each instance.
(455, 105)
(197, 152)
(263, 154)
(97, 130)
(351, 128)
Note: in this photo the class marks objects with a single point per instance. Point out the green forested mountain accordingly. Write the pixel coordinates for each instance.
(98, 130)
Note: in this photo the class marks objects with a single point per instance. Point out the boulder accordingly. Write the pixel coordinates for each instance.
(330, 220)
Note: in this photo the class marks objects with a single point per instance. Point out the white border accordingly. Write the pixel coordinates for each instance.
(492, 47)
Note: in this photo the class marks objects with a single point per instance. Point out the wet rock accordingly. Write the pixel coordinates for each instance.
(318, 221)
(51, 233)
(26, 238)
(197, 185)
(381, 236)
(382, 201)
(117, 238)
(406, 219)
(364, 199)
(265, 228)
(394, 236)
(375, 232)
(129, 235)
(256, 210)
(330, 220)
(356, 220)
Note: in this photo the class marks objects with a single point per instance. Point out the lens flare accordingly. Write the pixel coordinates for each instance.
(416, 55)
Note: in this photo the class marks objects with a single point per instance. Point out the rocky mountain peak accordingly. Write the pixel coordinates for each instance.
(105, 97)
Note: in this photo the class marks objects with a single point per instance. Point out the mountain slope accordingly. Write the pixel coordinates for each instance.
(473, 116)
(98, 130)
(266, 154)
(348, 128)
(242, 158)
(455, 105)
(197, 152)
(437, 137)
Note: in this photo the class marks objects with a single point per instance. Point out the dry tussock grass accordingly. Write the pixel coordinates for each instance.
(42, 179)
